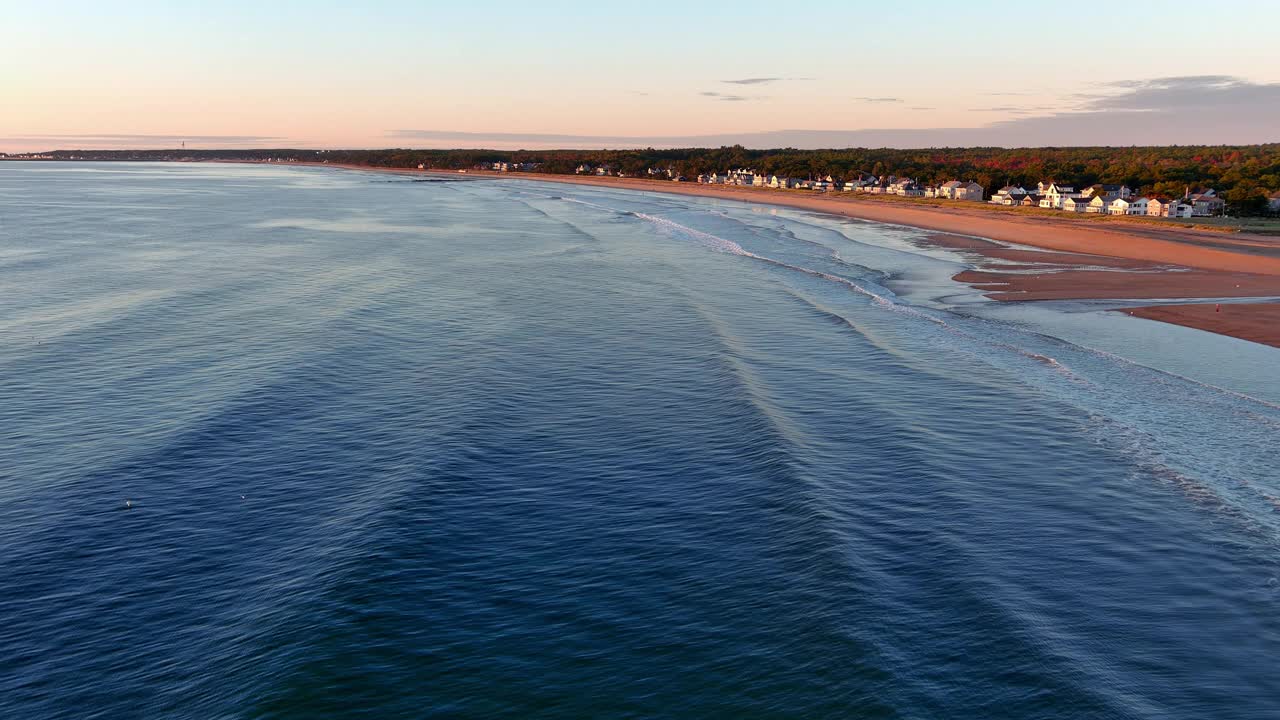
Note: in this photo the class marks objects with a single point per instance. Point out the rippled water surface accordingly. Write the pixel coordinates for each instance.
(295, 443)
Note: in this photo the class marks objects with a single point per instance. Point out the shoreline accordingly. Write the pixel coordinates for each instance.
(1077, 262)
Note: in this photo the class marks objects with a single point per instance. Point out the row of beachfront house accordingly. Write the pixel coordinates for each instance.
(1096, 199)
(1109, 200)
(863, 183)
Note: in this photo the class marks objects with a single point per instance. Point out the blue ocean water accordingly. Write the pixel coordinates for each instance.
(297, 442)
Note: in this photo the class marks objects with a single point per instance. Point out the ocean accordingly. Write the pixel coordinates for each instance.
(283, 442)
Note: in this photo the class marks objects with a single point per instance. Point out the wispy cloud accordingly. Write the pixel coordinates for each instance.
(763, 80)
(753, 81)
(878, 99)
(727, 97)
(922, 108)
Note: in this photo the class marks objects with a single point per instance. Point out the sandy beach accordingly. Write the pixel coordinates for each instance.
(1063, 258)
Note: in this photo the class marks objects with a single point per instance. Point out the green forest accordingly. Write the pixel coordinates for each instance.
(1244, 175)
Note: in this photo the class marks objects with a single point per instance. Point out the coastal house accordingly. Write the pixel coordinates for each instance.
(1031, 200)
(1109, 192)
(1273, 201)
(1009, 195)
(1164, 207)
(1206, 203)
(879, 187)
(1098, 204)
(583, 169)
(908, 188)
(1075, 204)
(1055, 195)
(957, 190)
(1159, 207)
(1133, 206)
(1127, 206)
(904, 187)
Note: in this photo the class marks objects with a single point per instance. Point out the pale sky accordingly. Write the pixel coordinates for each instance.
(594, 74)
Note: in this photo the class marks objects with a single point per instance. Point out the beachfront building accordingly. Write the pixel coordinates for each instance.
(1128, 206)
(1009, 195)
(1159, 207)
(1132, 206)
(1076, 204)
(1032, 200)
(879, 187)
(1098, 204)
(906, 187)
(1273, 201)
(1056, 195)
(1109, 192)
(957, 190)
(1206, 203)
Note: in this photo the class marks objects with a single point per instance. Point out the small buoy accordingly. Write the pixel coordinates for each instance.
(128, 504)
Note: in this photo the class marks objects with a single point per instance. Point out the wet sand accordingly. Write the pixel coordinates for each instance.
(1258, 322)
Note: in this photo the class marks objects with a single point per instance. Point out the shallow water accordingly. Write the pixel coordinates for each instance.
(502, 448)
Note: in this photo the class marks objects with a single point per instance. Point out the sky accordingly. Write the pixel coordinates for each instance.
(495, 74)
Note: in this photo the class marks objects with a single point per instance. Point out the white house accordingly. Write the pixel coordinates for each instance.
(908, 188)
(1098, 204)
(1127, 206)
(1073, 204)
(1009, 195)
(1134, 206)
(956, 190)
(1055, 195)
